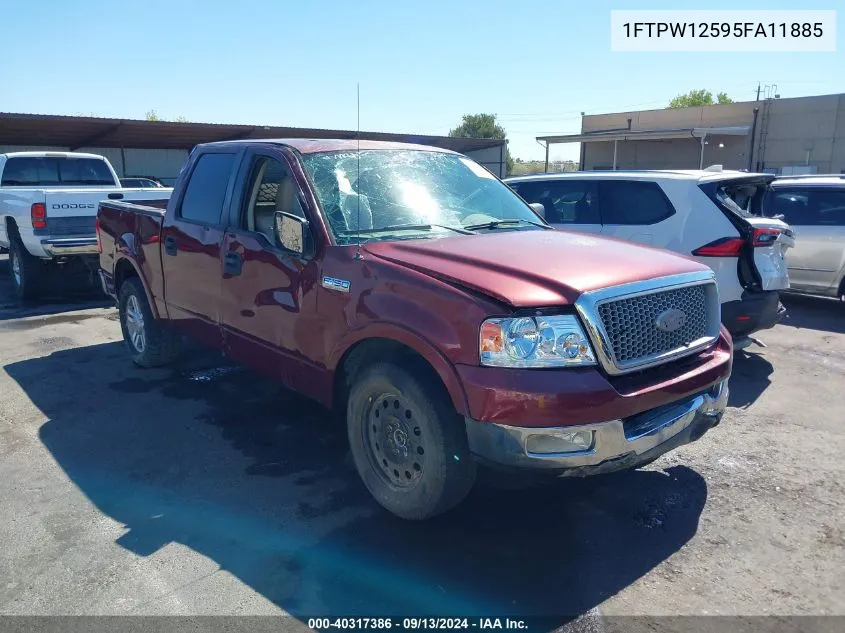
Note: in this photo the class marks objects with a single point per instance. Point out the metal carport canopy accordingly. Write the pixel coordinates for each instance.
(645, 135)
(75, 132)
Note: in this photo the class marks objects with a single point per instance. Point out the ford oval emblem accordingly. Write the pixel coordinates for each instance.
(670, 320)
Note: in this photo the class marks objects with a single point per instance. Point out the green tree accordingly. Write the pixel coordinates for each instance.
(152, 115)
(482, 126)
(696, 98)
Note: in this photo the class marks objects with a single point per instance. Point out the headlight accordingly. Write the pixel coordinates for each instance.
(548, 341)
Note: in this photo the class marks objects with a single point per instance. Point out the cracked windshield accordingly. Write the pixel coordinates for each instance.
(402, 194)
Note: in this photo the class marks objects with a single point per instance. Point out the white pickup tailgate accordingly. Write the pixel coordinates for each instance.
(63, 203)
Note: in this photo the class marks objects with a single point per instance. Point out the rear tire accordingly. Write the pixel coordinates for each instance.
(26, 271)
(408, 443)
(151, 342)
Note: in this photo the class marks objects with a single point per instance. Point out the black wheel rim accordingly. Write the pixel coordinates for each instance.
(394, 440)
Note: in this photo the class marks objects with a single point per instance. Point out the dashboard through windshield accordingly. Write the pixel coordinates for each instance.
(411, 194)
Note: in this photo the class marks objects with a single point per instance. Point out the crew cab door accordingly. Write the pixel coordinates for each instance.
(268, 301)
(570, 204)
(190, 250)
(635, 210)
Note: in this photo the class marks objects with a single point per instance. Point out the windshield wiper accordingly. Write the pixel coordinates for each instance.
(497, 223)
(408, 227)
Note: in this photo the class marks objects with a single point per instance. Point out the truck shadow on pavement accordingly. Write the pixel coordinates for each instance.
(259, 480)
(750, 377)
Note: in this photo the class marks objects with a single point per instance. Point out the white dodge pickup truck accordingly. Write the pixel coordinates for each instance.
(48, 210)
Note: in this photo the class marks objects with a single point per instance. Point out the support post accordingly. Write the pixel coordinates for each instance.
(701, 157)
(546, 168)
(615, 145)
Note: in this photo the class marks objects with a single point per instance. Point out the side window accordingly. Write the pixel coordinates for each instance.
(793, 205)
(203, 201)
(809, 207)
(830, 206)
(566, 201)
(633, 202)
(271, 188)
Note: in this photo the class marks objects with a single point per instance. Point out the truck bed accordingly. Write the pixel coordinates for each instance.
(154, 207)
(134, 226)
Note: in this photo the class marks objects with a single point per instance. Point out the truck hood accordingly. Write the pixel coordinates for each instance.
(533, 268)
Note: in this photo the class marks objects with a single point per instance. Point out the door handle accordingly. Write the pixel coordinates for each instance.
(170, 247)
(233, 263)
(115, 196)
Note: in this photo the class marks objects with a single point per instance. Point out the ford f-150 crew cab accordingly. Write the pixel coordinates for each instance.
(411, 289)
(48, 205)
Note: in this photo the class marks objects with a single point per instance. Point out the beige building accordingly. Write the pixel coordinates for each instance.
(783, 136)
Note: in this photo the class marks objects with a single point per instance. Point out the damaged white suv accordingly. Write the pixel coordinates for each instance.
(711, 215)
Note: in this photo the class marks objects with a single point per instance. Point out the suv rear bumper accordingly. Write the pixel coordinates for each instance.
(754, 311)
(614, 445)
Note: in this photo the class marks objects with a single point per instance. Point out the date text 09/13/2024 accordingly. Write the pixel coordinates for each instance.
(412, 623)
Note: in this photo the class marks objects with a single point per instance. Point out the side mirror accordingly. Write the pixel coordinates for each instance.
(291, 232)
(539, 209)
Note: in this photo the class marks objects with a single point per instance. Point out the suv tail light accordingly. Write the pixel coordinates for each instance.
(732, 246)
(97, 230)
(765, 237)
(38, 213)
(723, 247)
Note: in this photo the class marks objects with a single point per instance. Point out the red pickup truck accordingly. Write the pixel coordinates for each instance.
(411, 288)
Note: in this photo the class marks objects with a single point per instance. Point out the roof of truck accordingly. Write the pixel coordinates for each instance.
(313, 145)
(814, 180)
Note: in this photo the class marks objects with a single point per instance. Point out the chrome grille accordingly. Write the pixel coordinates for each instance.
(631, 323)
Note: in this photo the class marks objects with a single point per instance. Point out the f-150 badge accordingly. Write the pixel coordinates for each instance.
(333, 283)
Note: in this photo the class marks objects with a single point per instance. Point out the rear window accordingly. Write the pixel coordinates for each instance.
(744, 199)
(633, 202)
(565, 201)
(206, 191)
(35, 171)
(807, 206)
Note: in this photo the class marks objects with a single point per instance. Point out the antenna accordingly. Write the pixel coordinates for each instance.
(358, 175)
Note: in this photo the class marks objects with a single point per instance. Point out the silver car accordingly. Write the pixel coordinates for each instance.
(814, 206)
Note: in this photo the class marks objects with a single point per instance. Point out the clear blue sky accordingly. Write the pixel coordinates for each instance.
(421, 65)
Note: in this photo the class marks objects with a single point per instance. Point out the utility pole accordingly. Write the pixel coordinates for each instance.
(758, 91)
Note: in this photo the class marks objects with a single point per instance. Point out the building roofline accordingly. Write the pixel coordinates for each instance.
(714, 105)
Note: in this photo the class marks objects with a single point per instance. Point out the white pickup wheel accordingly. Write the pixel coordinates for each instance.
(25, 270)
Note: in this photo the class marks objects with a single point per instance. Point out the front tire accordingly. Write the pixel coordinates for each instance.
(26, 271)
(408, 443)
(150, 341)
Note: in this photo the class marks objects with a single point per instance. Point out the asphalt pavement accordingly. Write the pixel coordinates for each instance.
(206, 489)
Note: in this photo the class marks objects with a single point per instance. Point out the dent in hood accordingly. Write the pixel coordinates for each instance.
(534, 268)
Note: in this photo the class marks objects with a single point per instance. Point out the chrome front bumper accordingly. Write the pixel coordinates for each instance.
(55, 247)
(616, 445)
